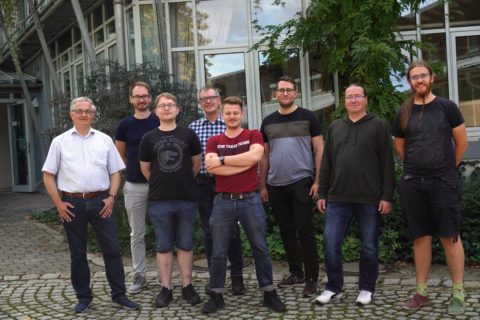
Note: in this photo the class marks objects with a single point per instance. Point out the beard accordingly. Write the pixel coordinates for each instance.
(423, 92)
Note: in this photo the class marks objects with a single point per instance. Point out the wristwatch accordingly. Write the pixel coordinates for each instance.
(222, 160)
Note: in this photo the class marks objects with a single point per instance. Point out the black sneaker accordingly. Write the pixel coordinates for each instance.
(238, 288)
(189, 294)
(290, 280)
(164, 298)
(214, 304)
(272, 300)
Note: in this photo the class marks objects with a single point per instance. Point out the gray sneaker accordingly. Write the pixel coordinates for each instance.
(139, 282)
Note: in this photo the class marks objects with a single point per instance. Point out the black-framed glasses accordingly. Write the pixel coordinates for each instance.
(285, 90)
(210, 98)
(138, 98)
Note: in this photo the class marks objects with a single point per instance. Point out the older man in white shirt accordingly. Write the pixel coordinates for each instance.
(82, 176)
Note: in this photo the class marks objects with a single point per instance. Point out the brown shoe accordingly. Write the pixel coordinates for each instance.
(416, 302)
(310, 288)
(290, 280)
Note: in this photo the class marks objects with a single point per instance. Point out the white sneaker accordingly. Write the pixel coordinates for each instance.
(364, 297)
(327, 296)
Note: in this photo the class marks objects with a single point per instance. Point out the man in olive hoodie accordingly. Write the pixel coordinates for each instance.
(357, 178)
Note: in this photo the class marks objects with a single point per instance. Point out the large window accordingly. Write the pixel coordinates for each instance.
(181, 24)
(222, 22)
(468, 71)
(148, 31)
(464, 13)
(266, 13)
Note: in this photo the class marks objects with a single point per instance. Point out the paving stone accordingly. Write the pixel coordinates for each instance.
(35, 283)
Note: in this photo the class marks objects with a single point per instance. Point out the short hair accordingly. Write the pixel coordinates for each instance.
(233, 100)
(419, 63)
(206, 88)
(82, 99)
(287, 79)
(359, 85)
(140, 84)
(166, 95)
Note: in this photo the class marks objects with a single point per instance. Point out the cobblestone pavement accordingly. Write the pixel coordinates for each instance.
(35, 284)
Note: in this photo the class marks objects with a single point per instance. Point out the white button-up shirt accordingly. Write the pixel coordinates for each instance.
(83, 164)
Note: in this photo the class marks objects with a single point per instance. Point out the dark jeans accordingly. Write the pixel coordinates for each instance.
(87, 211)
(292, 207)
(337, 220)
(249, 211)
(206, 192)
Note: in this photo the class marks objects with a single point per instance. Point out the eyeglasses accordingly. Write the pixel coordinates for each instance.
(138, 98)
(422, 76)
(205, 99)
(354, 98)
(166, 106)
(283, 90)
(80, 112)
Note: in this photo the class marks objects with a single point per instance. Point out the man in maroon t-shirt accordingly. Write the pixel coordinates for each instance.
(233, 157)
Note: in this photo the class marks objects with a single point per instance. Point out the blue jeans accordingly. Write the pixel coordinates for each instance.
(337, 220)
(249, 211)
(205, 188)
(173, 221)
(87, 211)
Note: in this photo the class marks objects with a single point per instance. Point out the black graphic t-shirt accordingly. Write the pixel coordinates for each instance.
(170, 154)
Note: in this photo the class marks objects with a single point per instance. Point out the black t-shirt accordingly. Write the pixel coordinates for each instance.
(429, 150)
(170, 154)
(131, 131)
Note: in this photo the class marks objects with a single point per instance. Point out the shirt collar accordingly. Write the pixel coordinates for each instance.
(90, 132)
(218, 120)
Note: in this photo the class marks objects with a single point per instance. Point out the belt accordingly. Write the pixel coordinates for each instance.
(236, 195)
(205, 178)
(86, 195)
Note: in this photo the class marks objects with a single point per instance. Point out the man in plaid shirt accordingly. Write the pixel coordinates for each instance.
(210, 125)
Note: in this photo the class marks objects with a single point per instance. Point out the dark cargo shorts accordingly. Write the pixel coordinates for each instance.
(431, 205)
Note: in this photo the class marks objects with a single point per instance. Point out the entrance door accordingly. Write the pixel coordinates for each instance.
(228, 71)
(467, 79)
(21, 149)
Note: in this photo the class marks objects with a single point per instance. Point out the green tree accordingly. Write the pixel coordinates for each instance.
(356, 39)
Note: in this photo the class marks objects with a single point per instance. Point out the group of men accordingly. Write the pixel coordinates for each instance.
(226, 171)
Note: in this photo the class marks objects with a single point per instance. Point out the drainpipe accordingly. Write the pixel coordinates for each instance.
(43, 42)
(120, 32)
(85, 36)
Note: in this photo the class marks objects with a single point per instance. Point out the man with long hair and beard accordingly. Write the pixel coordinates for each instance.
(429, 190)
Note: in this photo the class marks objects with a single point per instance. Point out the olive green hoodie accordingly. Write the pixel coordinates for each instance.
(357, 164)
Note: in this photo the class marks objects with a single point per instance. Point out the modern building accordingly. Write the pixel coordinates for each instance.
(198, 42)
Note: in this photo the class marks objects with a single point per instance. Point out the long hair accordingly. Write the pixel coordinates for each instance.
(407, 106)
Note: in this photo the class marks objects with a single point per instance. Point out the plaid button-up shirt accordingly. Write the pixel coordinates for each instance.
(204, 130)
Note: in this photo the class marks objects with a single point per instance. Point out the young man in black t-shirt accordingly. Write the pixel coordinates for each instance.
(170, 159)
(430, 189)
